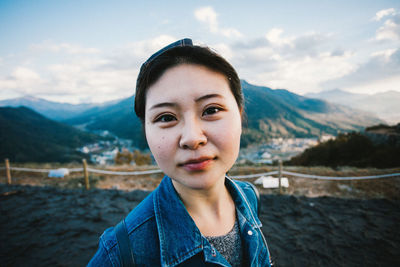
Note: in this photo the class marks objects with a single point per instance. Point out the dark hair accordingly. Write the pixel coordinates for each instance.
(153, 69)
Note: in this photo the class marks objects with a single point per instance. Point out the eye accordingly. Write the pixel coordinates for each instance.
(211, 111)
(165, 118)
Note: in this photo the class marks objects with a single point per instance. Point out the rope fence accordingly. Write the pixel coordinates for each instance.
(279, 172)
(89, 169)
(336, 178)
(124, 173)
(254, 175)
(318, 177)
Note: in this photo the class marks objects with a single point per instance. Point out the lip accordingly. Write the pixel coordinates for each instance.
(197, 164)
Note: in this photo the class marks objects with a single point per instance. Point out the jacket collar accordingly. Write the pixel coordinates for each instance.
(180, 239)
(242, 202)
(179, 236)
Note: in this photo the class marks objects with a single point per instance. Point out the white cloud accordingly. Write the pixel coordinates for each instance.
(299, 63)
(378, 73)
(224, 50)
(80, 77)
(306, 44)
(143, 49)
(7, 84)
(230, 33)
(383, 13)
(376, 86)
(22, 79)
(274, 37)
(304, 74)
(91, 81)
(64, 48)
(390, 30)
(208, 16)
(26, 74)
(384, 54)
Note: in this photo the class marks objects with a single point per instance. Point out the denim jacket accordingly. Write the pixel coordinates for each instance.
(162, 233)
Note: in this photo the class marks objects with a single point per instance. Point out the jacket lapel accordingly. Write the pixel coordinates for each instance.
(179, 237)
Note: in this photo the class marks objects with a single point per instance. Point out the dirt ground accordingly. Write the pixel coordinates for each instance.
(312, 223)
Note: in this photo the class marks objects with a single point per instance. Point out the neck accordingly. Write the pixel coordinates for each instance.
(212, 209)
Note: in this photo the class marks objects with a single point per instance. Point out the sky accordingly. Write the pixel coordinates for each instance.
(91, 51)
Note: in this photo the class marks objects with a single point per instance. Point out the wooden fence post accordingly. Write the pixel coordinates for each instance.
(86, 174)
(8, 173)
(280, 176)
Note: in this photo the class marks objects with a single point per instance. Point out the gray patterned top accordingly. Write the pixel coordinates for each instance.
(229, 245)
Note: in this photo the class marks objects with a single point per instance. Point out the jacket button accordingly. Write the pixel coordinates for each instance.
(250, 232)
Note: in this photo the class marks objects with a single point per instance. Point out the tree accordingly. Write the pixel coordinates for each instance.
(141, 158)
(123, 157)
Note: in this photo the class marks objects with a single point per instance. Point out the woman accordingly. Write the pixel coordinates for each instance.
(190, 102)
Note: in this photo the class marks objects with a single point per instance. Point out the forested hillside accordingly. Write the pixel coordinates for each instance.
(25, 135)
(378, 147)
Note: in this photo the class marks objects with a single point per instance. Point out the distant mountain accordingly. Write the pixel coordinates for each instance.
(280, 113)
(120, 119)
(384, 105)
(53, 110)
(27, 136)
(270, 113)
(337, 96)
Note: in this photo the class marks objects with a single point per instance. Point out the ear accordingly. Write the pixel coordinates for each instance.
(243, 116)
(241, 111)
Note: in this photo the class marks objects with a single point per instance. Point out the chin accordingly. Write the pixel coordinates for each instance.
(198, 181)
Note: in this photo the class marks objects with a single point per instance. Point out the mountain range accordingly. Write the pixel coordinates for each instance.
(27, 136)
(385, 105)
(119, 119)
(52, 110)
(280, 113)
(268, 113)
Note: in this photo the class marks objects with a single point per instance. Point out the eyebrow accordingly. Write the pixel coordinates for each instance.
(204, 97)
(171, 104)
(163, 104)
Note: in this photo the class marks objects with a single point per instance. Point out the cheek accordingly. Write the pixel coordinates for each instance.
(160, 144)
(228, 135)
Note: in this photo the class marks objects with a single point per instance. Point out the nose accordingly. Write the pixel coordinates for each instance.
(192, 136)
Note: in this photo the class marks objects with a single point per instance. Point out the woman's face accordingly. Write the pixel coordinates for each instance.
(193, 125)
